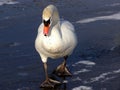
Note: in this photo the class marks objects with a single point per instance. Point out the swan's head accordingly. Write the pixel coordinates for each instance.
(50, 18)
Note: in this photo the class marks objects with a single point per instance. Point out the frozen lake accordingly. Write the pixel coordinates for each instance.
(95, 63)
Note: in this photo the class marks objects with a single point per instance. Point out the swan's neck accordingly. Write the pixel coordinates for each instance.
(57, 26)
(55, 30)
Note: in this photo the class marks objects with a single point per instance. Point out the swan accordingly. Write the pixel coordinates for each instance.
(56, 38)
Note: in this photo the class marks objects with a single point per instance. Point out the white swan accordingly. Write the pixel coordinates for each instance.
(55, 39)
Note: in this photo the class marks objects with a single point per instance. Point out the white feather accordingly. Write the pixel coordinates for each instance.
(61, 39)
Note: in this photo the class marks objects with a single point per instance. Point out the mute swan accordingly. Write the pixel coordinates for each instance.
(55, 39)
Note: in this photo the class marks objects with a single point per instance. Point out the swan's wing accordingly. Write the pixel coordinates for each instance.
(66, 25)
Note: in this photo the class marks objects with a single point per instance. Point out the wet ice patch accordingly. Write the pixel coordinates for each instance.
(23, 74)
(104, 76)
(2, 2)
(82, 88)
(100, 77)
(11, 44)
(114, 4)
(85, 62)
(14, 44)
(81, 71)
(77, 79)
(65, 81)
(112, 48)
(24, 88)
(21, 67)
(105, 12)
(116, 71)
(116, 40)
(115, 16)
(108, 78)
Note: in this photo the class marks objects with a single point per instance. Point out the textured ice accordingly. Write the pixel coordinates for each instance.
(86, 62)
(104, 76)
(81, 71)
(23, 74)
(82, 88)
(77, 79)
(115, 16)
(24, 88)
(114, 4)
(2, 2)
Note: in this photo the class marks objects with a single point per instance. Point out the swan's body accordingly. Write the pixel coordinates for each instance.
(55, 38)
(59, 43)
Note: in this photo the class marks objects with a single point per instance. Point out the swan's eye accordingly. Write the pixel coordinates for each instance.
(46, 23)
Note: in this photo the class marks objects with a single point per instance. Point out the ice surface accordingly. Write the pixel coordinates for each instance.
(23, 74)
(93, 66)
(114, 4)
(85, 62)
(81, 71)
(2, 2)
(104, 76)
(115, 16)
(82, 88)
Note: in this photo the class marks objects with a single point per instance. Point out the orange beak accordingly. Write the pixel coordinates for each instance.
(46, 30)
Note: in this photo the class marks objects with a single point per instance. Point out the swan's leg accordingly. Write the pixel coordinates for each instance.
(62, 70)
(48, 82)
